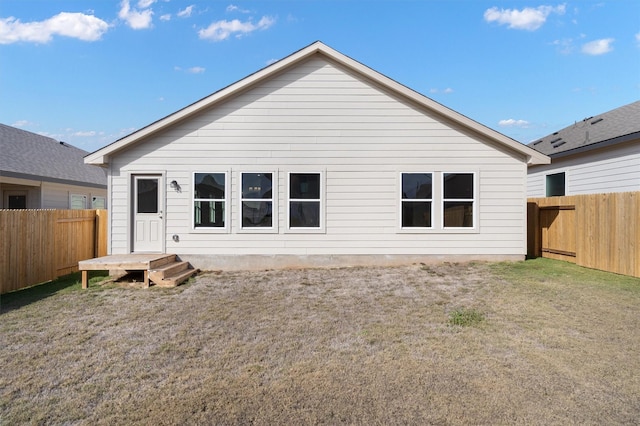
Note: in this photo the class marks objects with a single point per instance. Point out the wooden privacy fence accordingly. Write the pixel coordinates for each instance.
(40, 245)
(599, 231)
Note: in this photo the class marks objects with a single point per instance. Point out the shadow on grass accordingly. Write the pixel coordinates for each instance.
(64, 284)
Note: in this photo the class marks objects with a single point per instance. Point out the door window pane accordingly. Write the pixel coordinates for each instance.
(147, 195)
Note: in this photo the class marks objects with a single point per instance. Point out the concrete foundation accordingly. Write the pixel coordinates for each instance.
(255, 263)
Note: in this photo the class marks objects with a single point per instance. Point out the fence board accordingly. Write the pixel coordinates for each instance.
(41, 245)
(603, 230)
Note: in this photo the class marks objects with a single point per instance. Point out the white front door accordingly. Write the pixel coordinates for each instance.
(148, 223)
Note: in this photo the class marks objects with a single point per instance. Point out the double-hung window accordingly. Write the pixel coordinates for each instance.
(209, 200)
(417, 200)
(305, 201)
(257, 200)
(458, 200)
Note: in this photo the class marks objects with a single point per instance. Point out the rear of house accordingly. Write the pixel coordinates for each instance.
(317, 160)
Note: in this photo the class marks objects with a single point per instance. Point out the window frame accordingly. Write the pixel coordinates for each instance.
(402, 200)
(322, 219)
(94, 198)
(226, 200)
(274, 203)
(564, 184)
(474, 202)
(84, 201)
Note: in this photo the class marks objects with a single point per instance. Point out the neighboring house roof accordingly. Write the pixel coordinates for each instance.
(613, 127)
(531, 156)
(28, 155)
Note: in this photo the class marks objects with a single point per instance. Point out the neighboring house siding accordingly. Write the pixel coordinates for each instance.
(615, 169)
(58, 196)
(318, 118)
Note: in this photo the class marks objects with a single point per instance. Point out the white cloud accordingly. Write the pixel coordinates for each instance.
(221, 30)
(136, 19)
(234, 8)
(598, 47)
(526, 19)
(192, 70)
(186, 12)
(74, 25)
(144, 4)
(165, 17)
(20, 123)
(638, 39)
(85, 134)
(513, 123)
(445, 91)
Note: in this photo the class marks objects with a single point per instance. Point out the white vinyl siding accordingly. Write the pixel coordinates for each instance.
(319, 117)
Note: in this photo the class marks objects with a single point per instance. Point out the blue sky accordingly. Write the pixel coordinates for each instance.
(91, 72)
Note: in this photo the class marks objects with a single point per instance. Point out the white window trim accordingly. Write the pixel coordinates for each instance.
(474, 210)
(227, 204)
(322, 228)
(274, 204)
(417, 229)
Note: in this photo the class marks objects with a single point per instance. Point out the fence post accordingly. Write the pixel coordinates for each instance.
(533, 230)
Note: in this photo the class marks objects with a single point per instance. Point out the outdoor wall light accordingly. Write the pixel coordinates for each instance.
(175, 185)
(176, 238)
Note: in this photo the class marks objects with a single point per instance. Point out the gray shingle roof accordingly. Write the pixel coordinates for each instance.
(615, 126)
(29, 155)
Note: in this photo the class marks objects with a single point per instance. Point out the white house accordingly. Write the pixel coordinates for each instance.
(315, 160)
(38, 172)
(599, 154)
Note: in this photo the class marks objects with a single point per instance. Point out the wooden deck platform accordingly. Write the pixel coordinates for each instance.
(163, 269)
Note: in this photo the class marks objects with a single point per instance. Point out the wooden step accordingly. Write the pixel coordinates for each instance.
(177, 279)
(171, 274)
(161, 261)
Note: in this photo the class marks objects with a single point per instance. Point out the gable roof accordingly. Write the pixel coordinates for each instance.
(101, 156)
(28, 155)
(616, 126)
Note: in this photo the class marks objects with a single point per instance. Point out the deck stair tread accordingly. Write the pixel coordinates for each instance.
(176, 279)
(171, 274)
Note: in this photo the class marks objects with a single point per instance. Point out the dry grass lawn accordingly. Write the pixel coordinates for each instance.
(553, 344)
